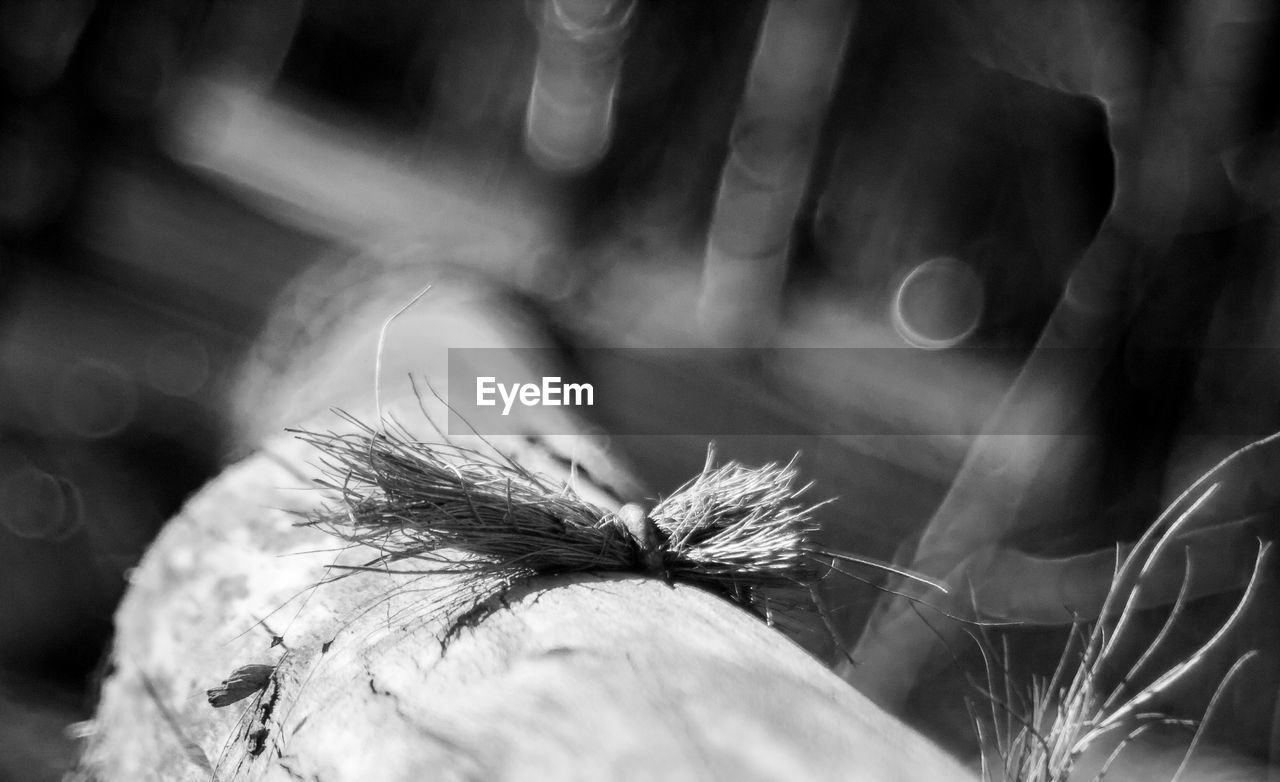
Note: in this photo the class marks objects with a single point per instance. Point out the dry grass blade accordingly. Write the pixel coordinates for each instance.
(1213, 702)
(1066, 718)
(1062, 724)
(1179, 671)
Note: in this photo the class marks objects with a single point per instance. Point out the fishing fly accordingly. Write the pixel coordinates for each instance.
(741, 532)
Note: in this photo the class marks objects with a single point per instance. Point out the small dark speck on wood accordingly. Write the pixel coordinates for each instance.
(243, 682)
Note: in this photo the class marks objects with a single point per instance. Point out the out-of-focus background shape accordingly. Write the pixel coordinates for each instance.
(1099, 177)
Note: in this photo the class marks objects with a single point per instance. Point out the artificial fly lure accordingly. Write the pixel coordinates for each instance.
(737, 531)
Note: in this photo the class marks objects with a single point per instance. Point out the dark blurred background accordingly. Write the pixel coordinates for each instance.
(927, 178)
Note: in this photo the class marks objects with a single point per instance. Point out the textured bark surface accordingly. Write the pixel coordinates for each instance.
(584, 678)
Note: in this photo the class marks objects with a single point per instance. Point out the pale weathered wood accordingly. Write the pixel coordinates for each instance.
(590, 678)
